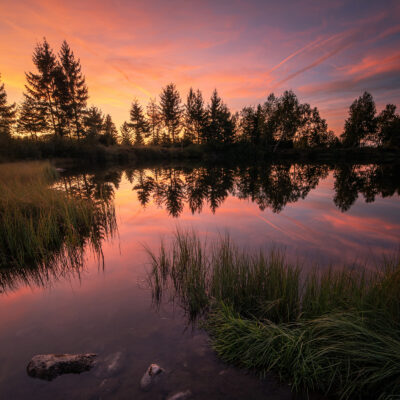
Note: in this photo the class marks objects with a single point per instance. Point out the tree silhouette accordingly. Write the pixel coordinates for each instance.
(32, 118)
(7, 113)
(76, 90)
(288, 117)
(195, 116)
(252, 124)
(109, 132)
(126, 134)
(220, 125)
(42, 86)
(361, 124)
(93, 123)
(388, 127)
(154, 121)
(171, 110)
(138, 123)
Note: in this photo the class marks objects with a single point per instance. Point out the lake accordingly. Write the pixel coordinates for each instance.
(320, 215)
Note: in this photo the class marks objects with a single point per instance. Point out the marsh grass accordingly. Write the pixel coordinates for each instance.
(44, 230)
(331, 330)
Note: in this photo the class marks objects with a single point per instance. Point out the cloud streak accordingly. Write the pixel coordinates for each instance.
(130, 49)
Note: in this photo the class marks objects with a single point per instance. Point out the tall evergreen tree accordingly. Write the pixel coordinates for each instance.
(171, 110)
(220, 125)
(42, 87)
(361, 124)
(109, 132)
(138, 123)
(93, 123)
(126, 134)
(7, 113)
(31, 118)
(76, 95)
(195, 116)
(252, 124)
(154, 121)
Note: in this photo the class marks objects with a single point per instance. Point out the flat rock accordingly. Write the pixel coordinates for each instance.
(49, 366)
(181, 395)
(149, 375)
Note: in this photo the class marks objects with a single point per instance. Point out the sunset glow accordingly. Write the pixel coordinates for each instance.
(328, 53)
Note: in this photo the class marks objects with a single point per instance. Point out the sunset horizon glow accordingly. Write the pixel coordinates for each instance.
(327, 53)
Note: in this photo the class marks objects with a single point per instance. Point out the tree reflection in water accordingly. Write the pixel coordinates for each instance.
(270, 186)
(68, 259)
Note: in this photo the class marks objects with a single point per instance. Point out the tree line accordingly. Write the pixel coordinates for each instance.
(55, 104)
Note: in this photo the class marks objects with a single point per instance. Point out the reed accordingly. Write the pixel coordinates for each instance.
(41, 225)
(332, 330)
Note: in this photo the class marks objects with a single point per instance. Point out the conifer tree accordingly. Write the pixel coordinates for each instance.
(93, 123)
(195, 116)
(154, 121)
(126, 134)
(31, 118)
(42, 86)
(171, 110)
(252, 124)
(7, 113)
(220, 125)
(109, 132)
(76, 90)
(138, 123)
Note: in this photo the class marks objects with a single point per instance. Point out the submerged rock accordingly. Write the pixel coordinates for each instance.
(109, 365)
(49, 366)
(149, 375)
(181, 395)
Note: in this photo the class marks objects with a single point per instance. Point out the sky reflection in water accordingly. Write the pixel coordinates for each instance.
(317, 214)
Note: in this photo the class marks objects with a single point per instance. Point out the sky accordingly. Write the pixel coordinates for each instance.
(328, 52)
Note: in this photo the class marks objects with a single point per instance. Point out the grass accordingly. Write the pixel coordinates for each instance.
(326, 330)
(42, 227)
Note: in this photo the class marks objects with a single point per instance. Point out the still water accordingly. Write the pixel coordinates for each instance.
(348, 214)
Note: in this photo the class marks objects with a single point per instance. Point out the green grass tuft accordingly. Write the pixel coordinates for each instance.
(42, 227)
(327, 330)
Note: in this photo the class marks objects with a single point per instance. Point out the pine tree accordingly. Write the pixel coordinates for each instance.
(138, 123)
(7, 113)
(43, 87)
(220, 123)
(154, 121)
(212, 133)
(109, 132)
(195, 116)
(171, 110)
(93, 123)
(32, 118)
(126, 134)
(77, 92)
(252, 124)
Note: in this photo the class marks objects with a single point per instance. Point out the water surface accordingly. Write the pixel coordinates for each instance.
(322, 215)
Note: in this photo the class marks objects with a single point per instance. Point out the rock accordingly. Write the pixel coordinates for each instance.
(49, 366)
(180, 395)
(149, 375)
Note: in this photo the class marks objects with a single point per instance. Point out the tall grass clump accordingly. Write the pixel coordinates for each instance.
(336, 331)
(41, 226)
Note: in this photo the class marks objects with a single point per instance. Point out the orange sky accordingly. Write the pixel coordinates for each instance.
(329, 53)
